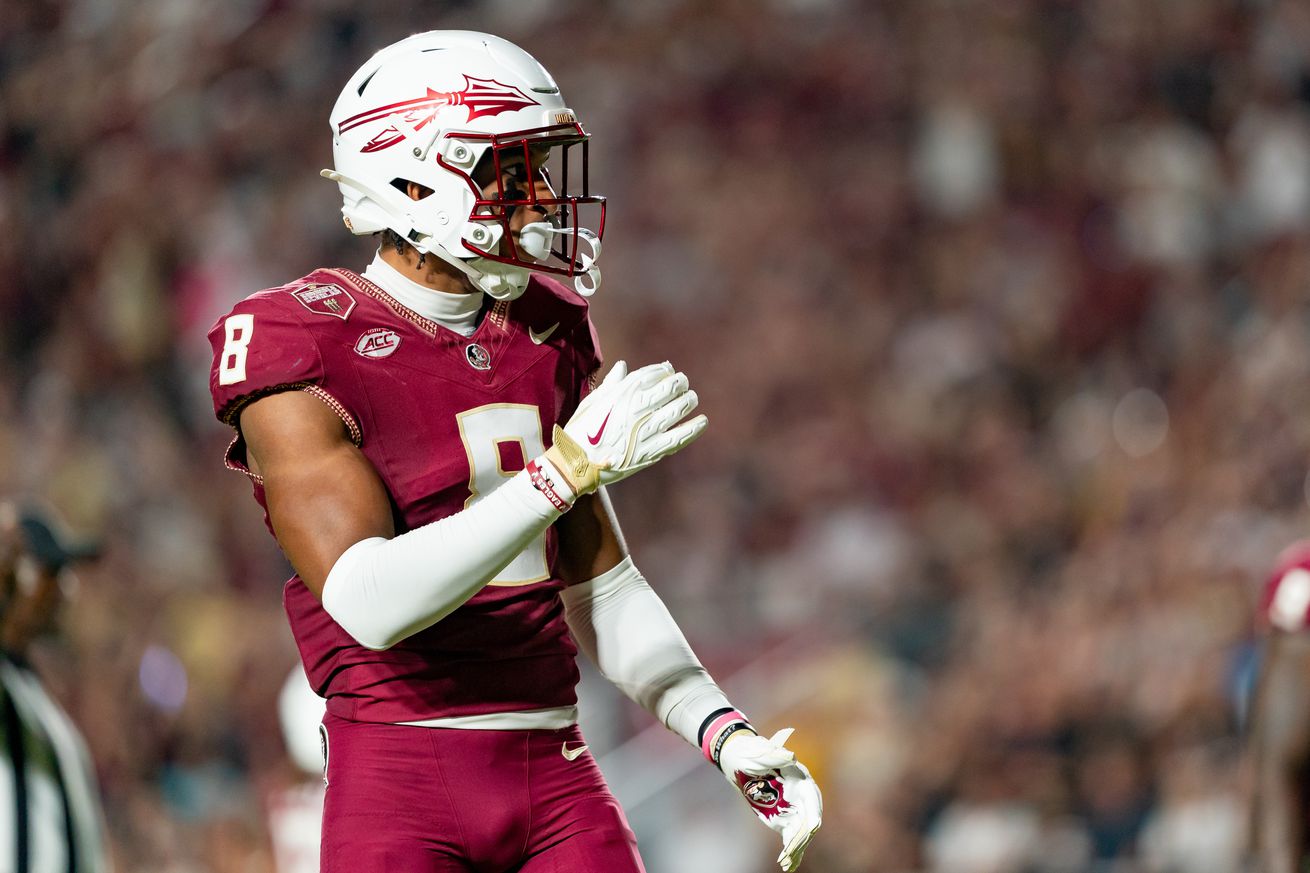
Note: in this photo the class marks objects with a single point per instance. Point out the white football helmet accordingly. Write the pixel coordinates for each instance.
(448, 109)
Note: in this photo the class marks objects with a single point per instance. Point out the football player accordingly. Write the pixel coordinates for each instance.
(431, 456)
(1280, 726)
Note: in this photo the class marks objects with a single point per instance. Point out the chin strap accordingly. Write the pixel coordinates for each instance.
(497, 280)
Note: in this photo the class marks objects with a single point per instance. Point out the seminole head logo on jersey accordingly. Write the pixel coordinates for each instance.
(477, 356)
(482, 97)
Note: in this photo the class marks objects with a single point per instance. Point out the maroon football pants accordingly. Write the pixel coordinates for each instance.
(432, 800)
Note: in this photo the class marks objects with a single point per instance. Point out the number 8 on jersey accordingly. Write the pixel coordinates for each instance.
(238, 330)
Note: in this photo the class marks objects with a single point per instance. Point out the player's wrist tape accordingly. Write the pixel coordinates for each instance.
(572, 462)
(716, 729)
(551, 483)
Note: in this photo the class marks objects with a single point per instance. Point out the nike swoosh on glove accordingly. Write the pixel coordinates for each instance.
(777, 787)
(628, 423)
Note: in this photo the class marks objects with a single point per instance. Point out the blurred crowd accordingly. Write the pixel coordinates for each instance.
(997, 308)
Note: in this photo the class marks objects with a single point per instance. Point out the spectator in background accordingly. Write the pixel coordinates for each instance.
(51, 817)
(1032, 279)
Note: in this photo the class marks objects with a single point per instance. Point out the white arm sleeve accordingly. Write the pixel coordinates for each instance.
(624, 627)
(383, 590)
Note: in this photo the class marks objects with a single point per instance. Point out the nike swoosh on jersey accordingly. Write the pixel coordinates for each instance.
(542, 336)
(595, 438)
(572, 754)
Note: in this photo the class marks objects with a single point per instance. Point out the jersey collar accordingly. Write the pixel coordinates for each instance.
(458, 312)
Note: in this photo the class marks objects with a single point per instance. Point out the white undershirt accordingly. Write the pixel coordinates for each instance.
(458, 312)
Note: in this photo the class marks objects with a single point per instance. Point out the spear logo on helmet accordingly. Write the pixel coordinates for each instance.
(482, 97)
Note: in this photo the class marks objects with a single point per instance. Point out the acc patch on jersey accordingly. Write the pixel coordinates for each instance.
(330, 300)
(377, 342)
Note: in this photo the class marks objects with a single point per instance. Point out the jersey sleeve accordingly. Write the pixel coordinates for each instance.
(260, 348)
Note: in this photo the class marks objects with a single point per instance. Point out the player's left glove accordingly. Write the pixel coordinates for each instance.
(776, 786)
(628, 423)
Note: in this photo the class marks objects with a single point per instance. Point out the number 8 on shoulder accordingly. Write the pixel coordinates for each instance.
(238, 330)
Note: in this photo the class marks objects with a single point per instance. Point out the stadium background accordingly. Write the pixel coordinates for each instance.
(997, 308)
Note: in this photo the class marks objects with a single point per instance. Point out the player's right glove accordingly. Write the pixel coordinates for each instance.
(777, 787)
(628, 423)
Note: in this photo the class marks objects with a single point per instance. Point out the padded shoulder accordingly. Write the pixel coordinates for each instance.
(547, 301)
(542, 288)
(265, 344)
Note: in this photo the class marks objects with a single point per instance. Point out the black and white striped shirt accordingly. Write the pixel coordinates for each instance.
(50, 817)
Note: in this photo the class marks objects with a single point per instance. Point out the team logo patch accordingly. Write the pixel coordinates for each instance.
(477, 357)
(760, 792)
(330, 300)
(377, 342)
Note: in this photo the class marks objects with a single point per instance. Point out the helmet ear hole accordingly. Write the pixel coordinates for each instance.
(412, 190)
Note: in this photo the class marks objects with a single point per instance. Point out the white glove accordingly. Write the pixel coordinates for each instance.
(628, 423)
(777, 787)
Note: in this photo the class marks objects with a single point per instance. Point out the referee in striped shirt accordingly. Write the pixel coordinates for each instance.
(50, 816)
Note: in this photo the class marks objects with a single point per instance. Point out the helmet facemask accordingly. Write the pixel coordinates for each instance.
(509, 173)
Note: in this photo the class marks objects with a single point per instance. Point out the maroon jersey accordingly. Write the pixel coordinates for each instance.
(1286, 601)
(444, 419)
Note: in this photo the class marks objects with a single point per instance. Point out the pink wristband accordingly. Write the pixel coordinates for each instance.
(718, 731)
